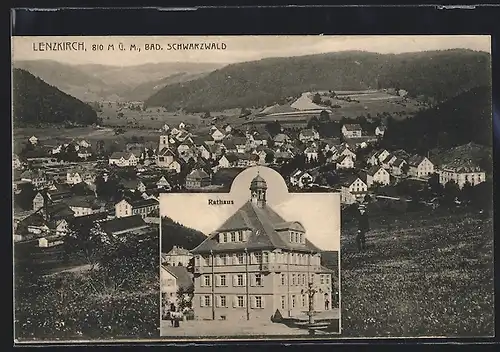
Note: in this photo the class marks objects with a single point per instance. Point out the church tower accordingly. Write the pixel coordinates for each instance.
(258, 188)
(163, 142)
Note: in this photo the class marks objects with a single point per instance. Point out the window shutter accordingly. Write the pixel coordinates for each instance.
(252, 302)
(217, 301)
(235, 301)
(202, 281)
(252, 280)
(263, 301)
(235, 280)
(217, 280)
(202, 301)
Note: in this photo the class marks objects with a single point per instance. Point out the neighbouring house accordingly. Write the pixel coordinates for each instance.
(388, 161)
(353, 190)
(16, 162)
(345, 150)
(84, 153)
(50, 241)
(345, 162)
(377, 174)
(204, 151)
(257, 138)
(133, 185)
(240, 144)
(86, 205)
(165, 128)
(281, 139)
(130, 225)
(54, 194)
(183, 136)
(311, 153)
(182, 126)
(308, 135)
(246, 160)
(36, 177)
(352, 130)
(461, 172)
(176, 256)
(33, 140)
(301, 178)
(163, 183)
(376, 157)
(198, 178)
(175, 279)
(166, 158)
(380, 131)
(241, 269)
(398, 166)
(420, 166)
(84, 144)
(217, 135)
(228, 161)
(140, 207)
(123, 159)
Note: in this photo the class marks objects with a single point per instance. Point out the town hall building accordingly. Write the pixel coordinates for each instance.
(257, 264)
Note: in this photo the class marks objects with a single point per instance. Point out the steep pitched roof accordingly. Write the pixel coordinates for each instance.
(198, 174)
(263, 222)
(184, 278)
(373, 170)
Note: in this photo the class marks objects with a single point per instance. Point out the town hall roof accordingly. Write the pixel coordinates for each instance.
(263, 223)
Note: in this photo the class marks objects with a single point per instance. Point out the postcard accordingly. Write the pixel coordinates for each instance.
(252, 187)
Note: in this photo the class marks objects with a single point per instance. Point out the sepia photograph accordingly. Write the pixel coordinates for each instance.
(267, 262)
(162, 187)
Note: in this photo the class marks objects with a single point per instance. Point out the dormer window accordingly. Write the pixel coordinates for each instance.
(222, 238)
(233, 236)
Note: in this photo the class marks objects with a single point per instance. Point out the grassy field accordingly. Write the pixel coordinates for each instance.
(423, 274)
(46, 260)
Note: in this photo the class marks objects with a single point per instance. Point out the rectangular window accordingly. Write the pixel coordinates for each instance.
(303, 300)
(206, 301)
(240, 258)
(233, 236)
(265, 257)
(258, 280)
(206, 261)
(222, 237)
(240, 236)
(293, 279)
(258, 257)
(258, 301)
(206, 280)
(224, 259)
(283, 279)
(240, 301)
(223, 280)
(293, 301)
(321, 279)
(239, 280)
(223, 301)
(283, 302)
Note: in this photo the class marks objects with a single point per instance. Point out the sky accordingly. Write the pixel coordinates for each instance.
(318, 213)
(237, 48)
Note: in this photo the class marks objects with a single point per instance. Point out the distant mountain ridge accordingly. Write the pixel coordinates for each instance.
(36, 102)
(95, 82)
(436, 74)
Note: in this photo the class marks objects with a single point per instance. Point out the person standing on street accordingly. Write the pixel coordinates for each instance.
(363, 227)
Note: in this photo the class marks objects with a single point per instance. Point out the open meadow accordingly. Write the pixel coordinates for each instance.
(423, 274)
